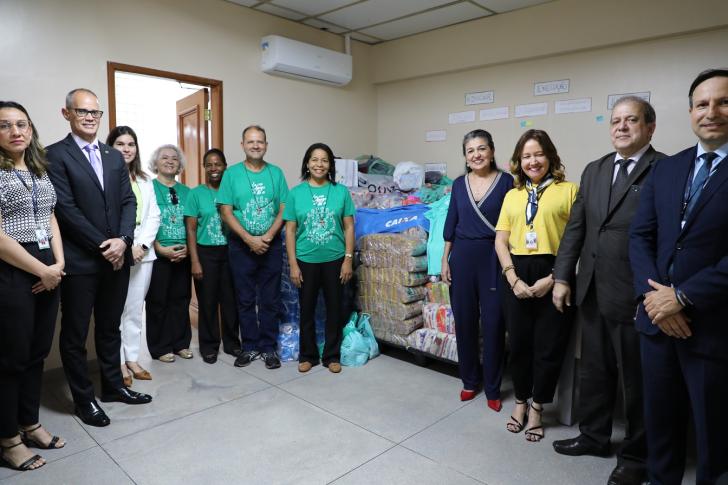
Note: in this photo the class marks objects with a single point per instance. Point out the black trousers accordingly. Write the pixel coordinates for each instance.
(168, 307)
(215, 290)
(610, 357)
(315, 277)
(27, 323)
(104, 293)
(538, 333)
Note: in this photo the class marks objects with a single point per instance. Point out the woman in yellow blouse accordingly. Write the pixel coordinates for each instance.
(529, 229)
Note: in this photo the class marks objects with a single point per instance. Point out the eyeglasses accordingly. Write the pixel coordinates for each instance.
(82, 113)
(173, 196)
(22, 126)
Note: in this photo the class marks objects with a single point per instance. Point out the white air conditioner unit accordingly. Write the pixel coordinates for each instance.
(297, 60)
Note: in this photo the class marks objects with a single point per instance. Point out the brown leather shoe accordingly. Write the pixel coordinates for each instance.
(304, 366)
(127, 381)
(142, 375)
(335, 367)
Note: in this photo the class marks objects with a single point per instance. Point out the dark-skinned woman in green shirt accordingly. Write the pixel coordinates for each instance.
(319, 215)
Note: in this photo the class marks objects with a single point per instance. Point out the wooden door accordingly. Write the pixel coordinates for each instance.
(192, 135)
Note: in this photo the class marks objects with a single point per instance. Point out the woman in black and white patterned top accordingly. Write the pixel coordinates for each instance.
(31, 267)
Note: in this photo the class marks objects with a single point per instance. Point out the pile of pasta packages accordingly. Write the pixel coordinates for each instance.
(405, 307)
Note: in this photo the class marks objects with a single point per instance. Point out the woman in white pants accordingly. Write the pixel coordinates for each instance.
(124, 139)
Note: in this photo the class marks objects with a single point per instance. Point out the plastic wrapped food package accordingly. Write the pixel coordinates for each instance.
(438, 292)
(443, 345)
(391, 293)
(288, 342)
(391, 276)
(390, 309)
(387, 259)
(439, 317)
(408, 243)
(401, 327)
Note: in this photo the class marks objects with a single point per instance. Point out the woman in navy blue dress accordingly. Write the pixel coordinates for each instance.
(470, 266)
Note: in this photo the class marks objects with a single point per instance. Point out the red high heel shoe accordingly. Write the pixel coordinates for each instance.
(495, 404)
(467, 395)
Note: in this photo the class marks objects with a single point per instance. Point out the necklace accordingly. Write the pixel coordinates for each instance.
(326, 204)
(259, 207)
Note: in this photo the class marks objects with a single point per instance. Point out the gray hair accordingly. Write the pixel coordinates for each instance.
(71, 93)
(648, 112)
(157, 153)
(255, 128)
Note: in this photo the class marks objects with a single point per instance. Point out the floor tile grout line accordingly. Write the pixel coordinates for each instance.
(462, 406)
(442, 464)
(362, 464)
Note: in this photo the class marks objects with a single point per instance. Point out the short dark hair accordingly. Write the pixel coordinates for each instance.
(135, 167)
(704, 76)
(648, 112)
(255, 128)
(35, 154)
(478, 133)
(556, 168)
(214, 151)
(305, 174)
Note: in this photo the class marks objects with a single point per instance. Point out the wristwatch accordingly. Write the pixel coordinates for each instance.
(127, 240)
(349, 255)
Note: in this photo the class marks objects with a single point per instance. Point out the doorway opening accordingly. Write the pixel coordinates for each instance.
(167, 107)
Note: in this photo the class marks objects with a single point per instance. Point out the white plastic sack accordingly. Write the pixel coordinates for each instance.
(409, 176)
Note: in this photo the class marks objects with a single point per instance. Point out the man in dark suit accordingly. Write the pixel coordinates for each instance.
(597, 237)
(96, 212)
(679, 254)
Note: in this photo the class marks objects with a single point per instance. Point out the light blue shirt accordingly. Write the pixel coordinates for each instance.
(722, 151)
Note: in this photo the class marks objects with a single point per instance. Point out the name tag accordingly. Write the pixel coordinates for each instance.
(42, 237)
(531, 241)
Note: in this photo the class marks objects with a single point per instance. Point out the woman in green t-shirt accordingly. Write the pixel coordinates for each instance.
(168, 298)
(208, 248)
(319, 215)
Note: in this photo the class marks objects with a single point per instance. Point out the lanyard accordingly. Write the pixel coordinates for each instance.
(689, 194)
(33, 192)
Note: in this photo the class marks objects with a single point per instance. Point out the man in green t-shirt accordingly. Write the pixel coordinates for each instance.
(251, 201)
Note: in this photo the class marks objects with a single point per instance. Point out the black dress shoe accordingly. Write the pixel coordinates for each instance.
(581, 445)
(624, 475)
(127, 396)
(235, 351)
(209, 359)
(92, 414)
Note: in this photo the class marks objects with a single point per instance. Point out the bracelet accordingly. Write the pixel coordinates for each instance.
(507, 269)
(515, 283)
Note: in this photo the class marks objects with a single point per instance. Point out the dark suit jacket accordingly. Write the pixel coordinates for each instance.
(698, 251)
(86, 213)
(599, 238)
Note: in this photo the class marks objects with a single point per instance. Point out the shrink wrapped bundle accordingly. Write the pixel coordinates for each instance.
(389, 309)
(406, 244)
(399, 327)
(438, 317)
(443, 345)
(389, 259)
(391, 276)
(391, 293)
(438, 292)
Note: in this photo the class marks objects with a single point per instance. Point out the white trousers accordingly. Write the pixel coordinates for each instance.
(131, 317)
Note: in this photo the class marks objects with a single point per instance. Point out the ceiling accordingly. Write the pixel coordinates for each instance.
(375, 21)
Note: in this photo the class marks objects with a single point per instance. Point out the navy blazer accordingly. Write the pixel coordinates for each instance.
(698, 251)
(87, 214)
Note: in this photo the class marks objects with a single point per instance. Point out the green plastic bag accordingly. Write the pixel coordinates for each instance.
(365, 329)
(359, 343)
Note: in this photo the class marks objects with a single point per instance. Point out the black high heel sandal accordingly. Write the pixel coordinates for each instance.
(531, 434)
(26, 465)
(515, 425)
(26, 438)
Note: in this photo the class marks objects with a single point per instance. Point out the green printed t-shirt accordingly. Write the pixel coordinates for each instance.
(254, 196)
(202, 205)
(172, 222)
(319, 215)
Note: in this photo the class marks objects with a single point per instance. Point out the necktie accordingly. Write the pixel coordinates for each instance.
(620, 182)
(699, 181)
(95, 163)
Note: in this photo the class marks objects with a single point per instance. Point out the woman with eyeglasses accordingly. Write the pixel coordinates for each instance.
(31, 267)
(168, 298)
(319, 215)
(124, 139)
(208, 247)
(531, 223)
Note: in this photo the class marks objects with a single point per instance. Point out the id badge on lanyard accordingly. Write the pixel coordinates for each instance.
(41, 235)
(531, 240)
(42, 238)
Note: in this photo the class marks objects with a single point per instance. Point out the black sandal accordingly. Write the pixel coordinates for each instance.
(517, 426)
(531, 435)
(25, 437)
(26, 465)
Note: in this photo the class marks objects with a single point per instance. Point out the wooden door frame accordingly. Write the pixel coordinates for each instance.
(214, 85)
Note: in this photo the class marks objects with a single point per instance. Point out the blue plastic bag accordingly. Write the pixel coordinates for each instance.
(396, 219)
(365, 329)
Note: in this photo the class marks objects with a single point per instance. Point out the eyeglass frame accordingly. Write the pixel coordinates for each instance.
(82, 113)
(6, 126)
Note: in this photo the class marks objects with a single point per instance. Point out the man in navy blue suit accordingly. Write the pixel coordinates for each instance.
(679, 256)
